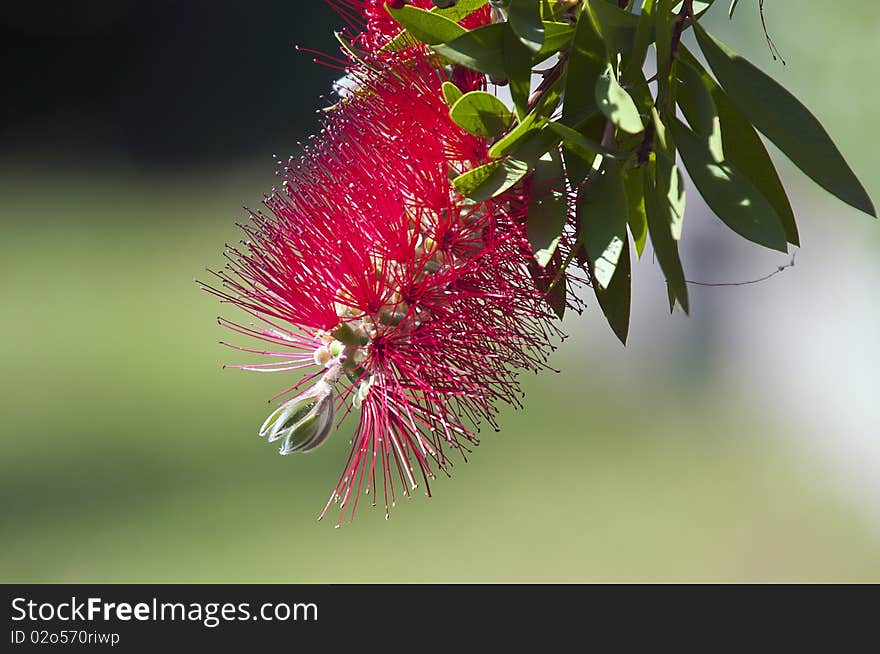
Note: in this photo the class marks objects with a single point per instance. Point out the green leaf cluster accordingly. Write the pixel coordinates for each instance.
(596, 129)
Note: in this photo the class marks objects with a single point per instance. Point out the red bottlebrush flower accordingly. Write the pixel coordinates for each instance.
(406, 301)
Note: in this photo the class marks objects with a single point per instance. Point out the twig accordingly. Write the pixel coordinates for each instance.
(778, 270)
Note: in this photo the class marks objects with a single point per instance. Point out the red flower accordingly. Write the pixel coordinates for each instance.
(407, 302)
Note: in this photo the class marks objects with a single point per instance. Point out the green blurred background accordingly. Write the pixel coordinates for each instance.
(740, 444)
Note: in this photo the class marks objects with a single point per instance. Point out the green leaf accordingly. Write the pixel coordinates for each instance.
(585, 147)
(451, 93)
(641, 42)
(673, 184)
(491, 179)
(524, 17)
(743, 147)
(576, 163)
(729, 193)
(556, 36)
(518, 66)
(696, 102)
(548, 206)
(481, 113)
(460, 10)
(533, 147)
(658, 216)
(664, 24)
(616, 299)
(481, 49)
(616, 103)
(784, 120)
(732, 8)
(617, 27)
(634, 187)
(551, 282)
(427, 26)
(586, 62)
(602, 211)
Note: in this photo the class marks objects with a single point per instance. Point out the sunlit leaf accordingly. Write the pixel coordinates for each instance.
(729, 193)
(524, 18)
(616, 299)
(743, 148)
(696, 102)
(784, 120)
(427, 26)
(641, 42)
(602, 212)
(451, 93)
(518, 68)
(481, 113)
(634, 187)
(586, 147)
(586, 62)
(657, 211)
(548, 206)
(491, 179)
(481, 49)
(616, 26)
(556, 36)
(616, 103)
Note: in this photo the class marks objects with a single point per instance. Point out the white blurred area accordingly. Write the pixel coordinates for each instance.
(802, 347)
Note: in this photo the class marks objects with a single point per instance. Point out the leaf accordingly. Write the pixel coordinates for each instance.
(548, 206)
(533, 147)
(663, 43)
(617, 27)
(524, 17)
(729, 193)
(481, 49)
(641, 42)
(675, 196)
(732, 8)
(784, 120)
(657, 212)
(696, 102)
(616, 103)
(491, 179)
(743, 148)
(427, 26)
(461, 10)
(551, 282)
(518, 68)
(616, 299)
(586, 62)
(451, 93)
(556, 36)
(585, 147)
(602, 210)
(481, 114)
(634, 187)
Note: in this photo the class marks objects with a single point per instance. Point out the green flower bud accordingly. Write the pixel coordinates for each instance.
(304, 422)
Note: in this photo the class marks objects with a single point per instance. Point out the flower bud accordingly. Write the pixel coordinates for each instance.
(304, 422)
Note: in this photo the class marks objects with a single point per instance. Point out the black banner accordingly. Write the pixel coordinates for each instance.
(134, 617)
